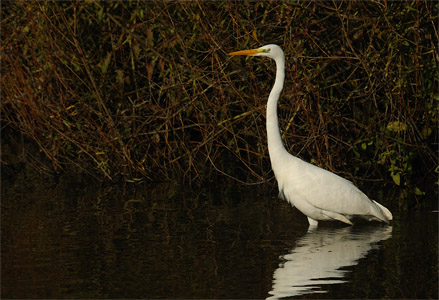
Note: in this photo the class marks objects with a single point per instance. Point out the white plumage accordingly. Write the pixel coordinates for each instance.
(317, 193)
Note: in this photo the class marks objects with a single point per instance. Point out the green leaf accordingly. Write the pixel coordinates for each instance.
(396, 178)
(419, 192)
(105, 63)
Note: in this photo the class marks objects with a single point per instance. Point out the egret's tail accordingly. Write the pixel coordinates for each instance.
(384, 211)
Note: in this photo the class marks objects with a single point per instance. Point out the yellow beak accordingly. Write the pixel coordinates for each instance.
(246, 52)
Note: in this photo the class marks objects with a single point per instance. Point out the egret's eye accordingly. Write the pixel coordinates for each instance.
(267, 50)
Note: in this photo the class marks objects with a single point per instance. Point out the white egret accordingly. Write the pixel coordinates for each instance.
(317, 193)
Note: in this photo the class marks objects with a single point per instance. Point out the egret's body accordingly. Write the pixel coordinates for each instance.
(317, 193)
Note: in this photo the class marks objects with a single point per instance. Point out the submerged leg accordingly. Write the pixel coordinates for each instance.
(312, 222)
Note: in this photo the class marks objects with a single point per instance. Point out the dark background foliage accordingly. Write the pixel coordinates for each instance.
(135, 91)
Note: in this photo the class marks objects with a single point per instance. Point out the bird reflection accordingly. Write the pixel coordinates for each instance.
(319, 256)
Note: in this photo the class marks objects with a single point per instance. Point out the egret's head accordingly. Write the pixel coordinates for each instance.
(271, 51)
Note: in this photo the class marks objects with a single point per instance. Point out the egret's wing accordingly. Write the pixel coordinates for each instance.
(330, 192)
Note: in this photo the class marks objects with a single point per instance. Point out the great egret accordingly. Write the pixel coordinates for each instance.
(317, 193)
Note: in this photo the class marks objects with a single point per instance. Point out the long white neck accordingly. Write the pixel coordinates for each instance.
(276, 148)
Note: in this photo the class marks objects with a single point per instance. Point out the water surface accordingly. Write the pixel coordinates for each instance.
(73, 240)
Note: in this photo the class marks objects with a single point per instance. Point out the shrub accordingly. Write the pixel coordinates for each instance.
(145, 90)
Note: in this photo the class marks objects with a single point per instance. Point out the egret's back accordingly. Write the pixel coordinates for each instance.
(322, 195)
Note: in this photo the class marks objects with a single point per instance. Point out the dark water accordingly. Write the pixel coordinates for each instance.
(79, 241)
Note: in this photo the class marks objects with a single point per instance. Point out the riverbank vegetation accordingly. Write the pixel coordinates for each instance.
(144, 91)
